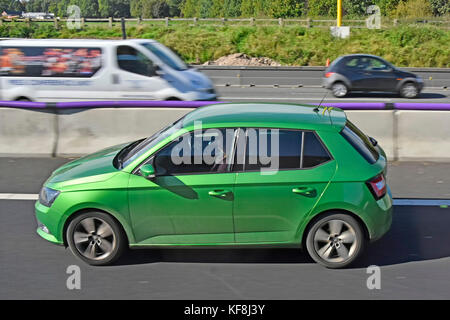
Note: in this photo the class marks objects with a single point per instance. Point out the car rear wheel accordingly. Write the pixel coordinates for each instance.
(409, 90)
(335, 240)
(96, 238)
(339, 89)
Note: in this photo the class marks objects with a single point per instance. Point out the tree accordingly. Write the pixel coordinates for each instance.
(114, 8)
(322, 8)
(356, 7)
(286, 8)
(440, 7)
(254, 8)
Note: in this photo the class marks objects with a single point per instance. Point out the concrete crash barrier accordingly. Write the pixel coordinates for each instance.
(94, 129)
(26, 132)
(423, 135)
(406, 131)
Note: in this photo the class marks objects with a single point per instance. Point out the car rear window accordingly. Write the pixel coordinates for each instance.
(360, 142)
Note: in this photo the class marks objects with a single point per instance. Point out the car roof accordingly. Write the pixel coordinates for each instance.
(269, 115)
(361, 55)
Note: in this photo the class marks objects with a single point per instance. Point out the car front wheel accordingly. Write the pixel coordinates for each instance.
(409, 90)
(339, 89)
(96, 238)
(335, 240)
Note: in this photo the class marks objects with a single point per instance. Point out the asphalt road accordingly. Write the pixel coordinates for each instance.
(414, 256)
(314, 94)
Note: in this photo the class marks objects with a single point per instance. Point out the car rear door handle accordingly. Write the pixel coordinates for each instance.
(219, 193)
(305, 191)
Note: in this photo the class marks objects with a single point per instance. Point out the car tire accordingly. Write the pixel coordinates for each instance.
(96, 238)
(339, 89)
(409, 90)
(335, 240)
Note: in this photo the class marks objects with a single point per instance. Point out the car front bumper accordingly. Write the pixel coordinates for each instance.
(46, 226)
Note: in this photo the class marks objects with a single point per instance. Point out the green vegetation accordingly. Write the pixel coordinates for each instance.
(229, 8)
(291, 45)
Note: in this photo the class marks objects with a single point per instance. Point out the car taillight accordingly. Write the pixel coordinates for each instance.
(377, 186)
(328, 74)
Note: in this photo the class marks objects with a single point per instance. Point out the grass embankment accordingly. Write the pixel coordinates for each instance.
(290, 45)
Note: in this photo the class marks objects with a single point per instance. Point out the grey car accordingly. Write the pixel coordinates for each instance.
(362, 72)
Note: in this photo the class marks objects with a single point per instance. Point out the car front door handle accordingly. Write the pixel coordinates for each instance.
(305, 191)
(220, 193)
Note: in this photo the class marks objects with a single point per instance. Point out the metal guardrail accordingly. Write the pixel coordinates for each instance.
(197, 104)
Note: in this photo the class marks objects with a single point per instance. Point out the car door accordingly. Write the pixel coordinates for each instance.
(271, 203)
(190, 200)
(380, 76)
(135, 76)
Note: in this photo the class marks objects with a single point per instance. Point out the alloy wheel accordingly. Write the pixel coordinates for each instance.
(94, 238)
(409, 90)
(335, 241)
(339, 89)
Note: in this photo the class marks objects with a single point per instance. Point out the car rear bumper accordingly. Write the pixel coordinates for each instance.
(383, 221)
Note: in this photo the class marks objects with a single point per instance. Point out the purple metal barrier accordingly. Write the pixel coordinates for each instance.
(356, 106)
(135, 104)
(196, 104)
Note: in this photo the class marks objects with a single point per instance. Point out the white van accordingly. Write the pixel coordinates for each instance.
(77, 70)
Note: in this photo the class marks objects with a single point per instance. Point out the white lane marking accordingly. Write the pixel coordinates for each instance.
(421, 202)
(18, 196)
(312, 99)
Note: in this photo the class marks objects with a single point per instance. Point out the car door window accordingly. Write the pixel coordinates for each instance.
(134, 61)
(207, 151)
(314, 152)
(269, 149)
(279, 149)
(377, 65)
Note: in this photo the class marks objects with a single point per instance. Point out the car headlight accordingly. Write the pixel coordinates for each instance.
(47, 196)
(419, 79)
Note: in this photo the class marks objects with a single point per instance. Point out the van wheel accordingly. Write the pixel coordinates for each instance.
(339, 89)
(335, 240)
(96, 238)
(23, 99)
(173, 99)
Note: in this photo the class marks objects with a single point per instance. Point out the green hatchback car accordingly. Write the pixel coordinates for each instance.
(228, 175)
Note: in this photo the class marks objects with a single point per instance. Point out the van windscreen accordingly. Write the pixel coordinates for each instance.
(166, 55)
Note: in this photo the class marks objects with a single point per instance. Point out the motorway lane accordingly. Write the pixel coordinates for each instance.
(313, 95)
(414, 258)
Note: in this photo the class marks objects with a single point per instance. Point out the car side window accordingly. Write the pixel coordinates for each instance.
(314, 152)
(268, 148)
(207, 151)
(279, 149)
(132, 60)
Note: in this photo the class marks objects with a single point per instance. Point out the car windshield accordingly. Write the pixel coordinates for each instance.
(138, 148)
(166, 55)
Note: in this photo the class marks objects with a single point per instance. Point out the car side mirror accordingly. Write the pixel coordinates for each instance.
(147, 171)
